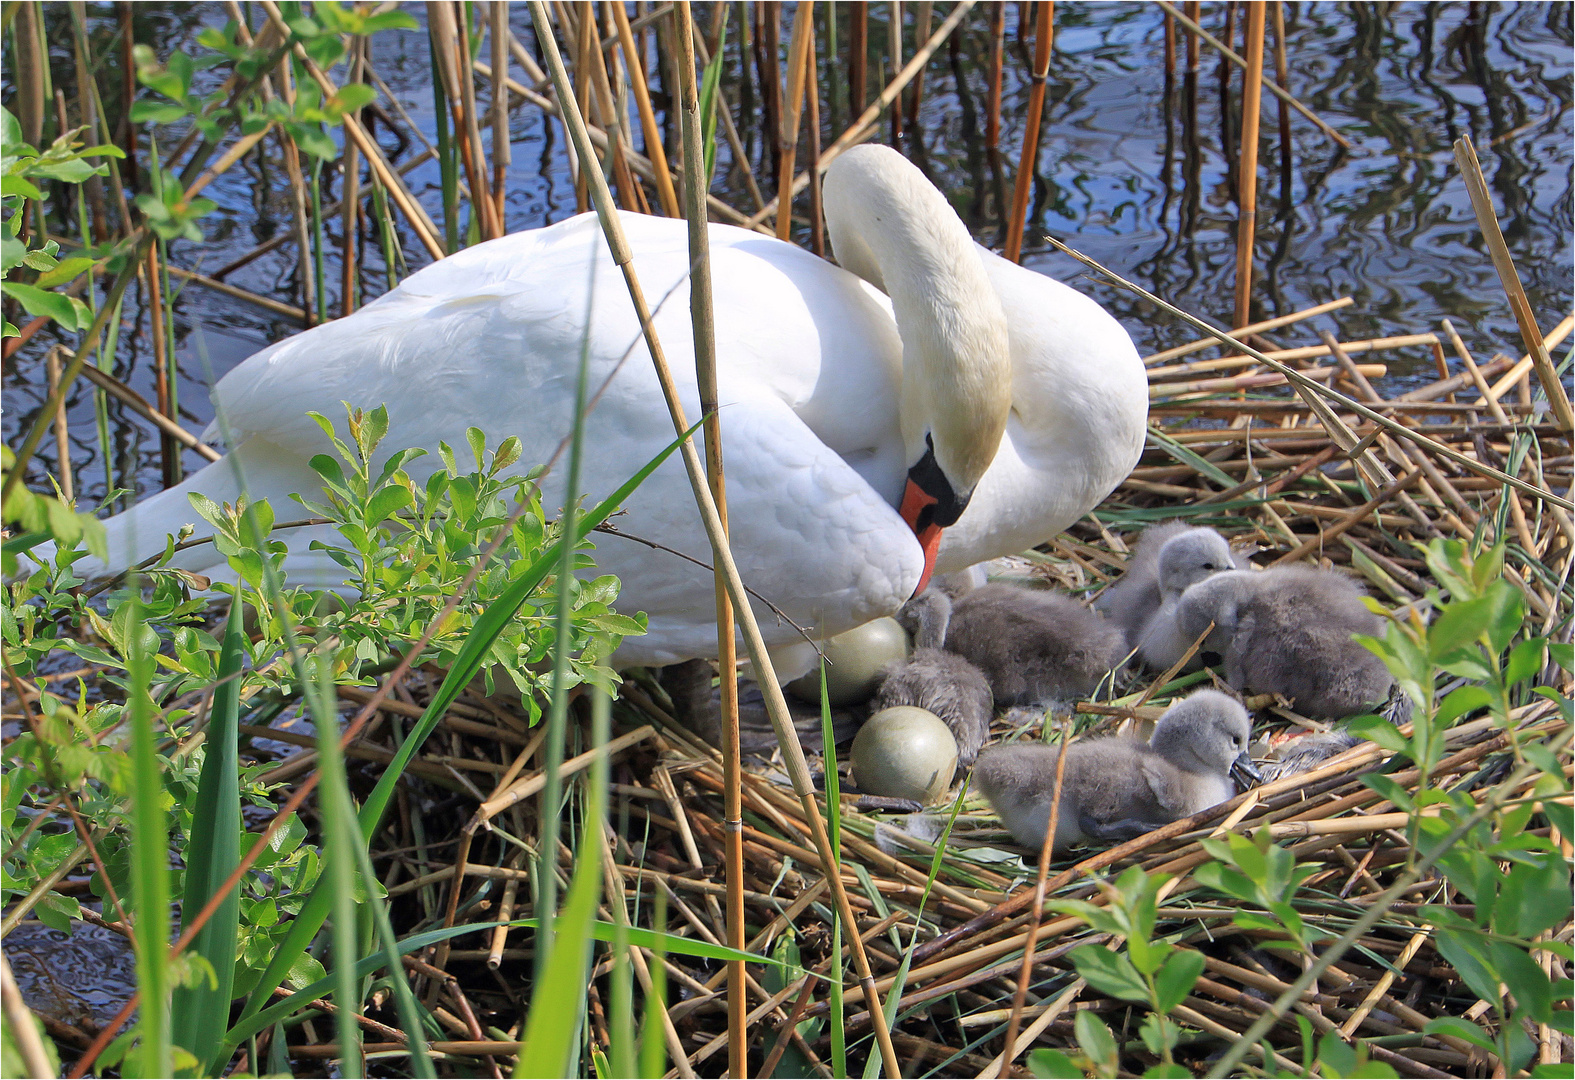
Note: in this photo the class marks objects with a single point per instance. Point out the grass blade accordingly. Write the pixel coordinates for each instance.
(558, 1001)
(149, 860)
(202, 1012)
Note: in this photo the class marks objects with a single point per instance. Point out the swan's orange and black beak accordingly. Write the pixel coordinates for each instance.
(916, 510)
(929, 504)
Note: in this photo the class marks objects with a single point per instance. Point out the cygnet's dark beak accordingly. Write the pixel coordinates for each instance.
(1244, 772)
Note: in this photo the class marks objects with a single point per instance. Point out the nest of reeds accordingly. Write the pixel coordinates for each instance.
(1266, 473)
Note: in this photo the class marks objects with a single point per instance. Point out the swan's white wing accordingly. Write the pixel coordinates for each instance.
(809, 361)
(808, 533)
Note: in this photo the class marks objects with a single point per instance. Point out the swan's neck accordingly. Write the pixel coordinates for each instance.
(891, 227)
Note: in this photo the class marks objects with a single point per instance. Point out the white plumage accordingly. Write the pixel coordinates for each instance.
(812, 387)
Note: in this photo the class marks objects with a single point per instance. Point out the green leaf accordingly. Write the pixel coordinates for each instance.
(14, 185)
(1109, 972)
(148, 111)
(1525, 660)
(1176, 979)
(1049, 1064)
(64, 271)
(39, 302)
(1378, 730)
(1462, 622)
(386, 502)
(1097, 1042)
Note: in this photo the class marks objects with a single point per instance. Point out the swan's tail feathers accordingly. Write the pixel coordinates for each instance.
(267, 472)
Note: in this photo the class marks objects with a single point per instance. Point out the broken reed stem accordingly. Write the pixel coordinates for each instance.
(992, 122)
(634, 67)
(1520, 304)
(776, 706)
(858, 47)
(894, 52)
(787, 138)
(392, 181)
(860, 128)
(1317, 391)
(161, 378)
(1225, 50)
(1517, 371)
(1029, 157)
(1247, 175)
(62, 430)
(817, 216)
(350, 203)
(1025, 973)
(702, 317)
(502, 155)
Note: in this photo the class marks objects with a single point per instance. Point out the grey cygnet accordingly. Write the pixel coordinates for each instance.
(1036, 648)
(1288, 631)
(1166, 560)
(1120, 787)
(945, 684)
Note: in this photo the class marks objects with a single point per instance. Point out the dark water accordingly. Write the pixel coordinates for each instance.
(1128, 172)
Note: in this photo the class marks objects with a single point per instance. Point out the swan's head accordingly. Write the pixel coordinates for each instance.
(1207, 733)
(1189, 557)
(891, 227)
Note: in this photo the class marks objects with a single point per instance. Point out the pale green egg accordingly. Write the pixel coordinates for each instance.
(853, 663)
(905, 753)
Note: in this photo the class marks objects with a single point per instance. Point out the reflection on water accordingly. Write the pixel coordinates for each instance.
(1131, 171)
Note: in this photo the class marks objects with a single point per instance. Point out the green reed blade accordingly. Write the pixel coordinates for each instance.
(653, 1038)
(710, 92)
(339, 867)
(558, 702)
(1159, 439)
(149, 860)
(319, 242)
(828, 745)
(487, 627)
(201, 1012)
(558, 1000)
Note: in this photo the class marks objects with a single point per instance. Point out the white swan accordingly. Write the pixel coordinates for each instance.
(977, 385)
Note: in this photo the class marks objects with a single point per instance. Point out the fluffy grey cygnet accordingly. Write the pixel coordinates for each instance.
(1118, 788)
(933, 679)
(1034, 647)
(1166, 560)
(1288, 631)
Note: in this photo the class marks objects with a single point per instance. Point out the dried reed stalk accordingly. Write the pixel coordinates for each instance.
(894, 51)
(798, 74)
(502, 155)
(1029, 158)
(1520, 304)
(635, 68)
(1225, 50)
(1247, 163)
(703, 319)
(62, 428)
(992, 123)
(860, 128)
